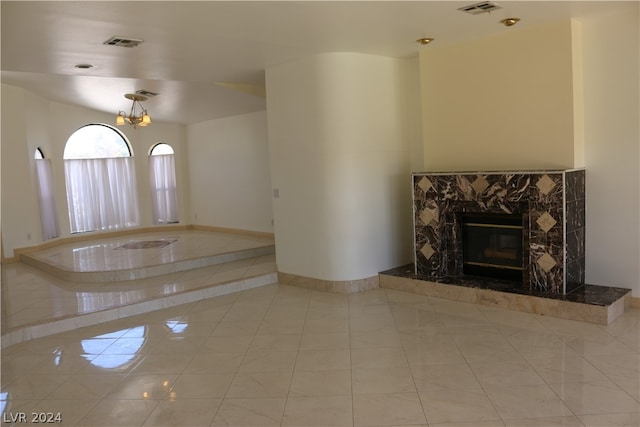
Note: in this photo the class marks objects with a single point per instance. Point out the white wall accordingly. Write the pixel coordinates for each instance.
(49, 126)
(500, 103)
(229, 173)
(21, 223)
(339, 148)
(611, 50)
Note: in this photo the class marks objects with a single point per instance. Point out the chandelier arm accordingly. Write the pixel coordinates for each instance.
(138, 115)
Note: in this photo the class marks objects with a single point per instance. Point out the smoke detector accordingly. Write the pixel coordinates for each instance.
(122, 41)
(482, 7)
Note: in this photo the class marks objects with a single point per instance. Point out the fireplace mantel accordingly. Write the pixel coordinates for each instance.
(552, 203)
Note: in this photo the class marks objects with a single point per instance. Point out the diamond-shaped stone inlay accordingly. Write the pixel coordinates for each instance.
(427, 251)
(425, 184)
(480, 184)
(546, 222)
(546, 262)
(545, 184)
(426, 216)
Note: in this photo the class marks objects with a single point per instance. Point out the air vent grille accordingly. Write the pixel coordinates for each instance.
(146, 93)
(123, 41)
(482, 7)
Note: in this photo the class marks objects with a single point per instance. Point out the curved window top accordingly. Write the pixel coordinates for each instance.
(160, 149)
(96, 142)
(38, 155)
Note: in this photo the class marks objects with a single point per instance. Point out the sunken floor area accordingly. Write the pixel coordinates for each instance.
(275, 355)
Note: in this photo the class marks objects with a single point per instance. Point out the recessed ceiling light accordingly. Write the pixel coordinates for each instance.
(510, 22)
(425, 40)
(83, 66)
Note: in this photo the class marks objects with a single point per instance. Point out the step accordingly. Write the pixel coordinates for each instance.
(48, 327)
(592, 303)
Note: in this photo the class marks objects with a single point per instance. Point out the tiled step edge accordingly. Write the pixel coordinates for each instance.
(147, 271)
(601, 315)
(31, 332)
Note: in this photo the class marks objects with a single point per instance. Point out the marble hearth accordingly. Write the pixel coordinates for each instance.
(551, 204)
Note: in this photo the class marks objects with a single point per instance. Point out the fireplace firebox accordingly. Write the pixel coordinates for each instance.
(492, 245)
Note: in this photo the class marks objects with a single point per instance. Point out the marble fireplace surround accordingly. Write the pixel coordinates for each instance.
(552, 203)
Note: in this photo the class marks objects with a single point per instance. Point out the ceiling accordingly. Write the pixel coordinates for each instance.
(191, 47)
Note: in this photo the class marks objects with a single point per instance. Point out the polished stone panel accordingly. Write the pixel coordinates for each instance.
(551, 204)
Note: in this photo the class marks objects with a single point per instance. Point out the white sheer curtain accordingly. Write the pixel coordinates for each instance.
(46, 196)
(164, 197)
(101, 194)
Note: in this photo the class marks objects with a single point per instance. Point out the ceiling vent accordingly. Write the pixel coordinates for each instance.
(123, 41)
(146, 93)
(482, 7)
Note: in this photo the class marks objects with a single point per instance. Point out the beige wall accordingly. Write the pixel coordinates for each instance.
(339, 147)
(229, 173)
(611, 46)
(21, 223)
(500, 103)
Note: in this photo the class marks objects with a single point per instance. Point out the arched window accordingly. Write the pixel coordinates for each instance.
(161, 149)
(46, 196)
(162, 177)
(100, 180)
(96, 142)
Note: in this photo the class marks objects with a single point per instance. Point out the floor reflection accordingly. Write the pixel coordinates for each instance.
(115, 353)
(177, 326)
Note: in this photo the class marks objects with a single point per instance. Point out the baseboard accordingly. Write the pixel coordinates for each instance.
(335, 286)
(231, 231)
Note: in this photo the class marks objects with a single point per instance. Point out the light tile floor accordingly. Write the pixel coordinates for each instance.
(279, 355)
(285, 356)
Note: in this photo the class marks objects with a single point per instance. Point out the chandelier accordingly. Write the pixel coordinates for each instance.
(138, 116)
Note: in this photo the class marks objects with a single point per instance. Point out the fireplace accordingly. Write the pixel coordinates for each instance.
(468, 223)
(492, 245)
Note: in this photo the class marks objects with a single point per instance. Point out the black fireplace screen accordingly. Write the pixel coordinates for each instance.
(492, 245)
